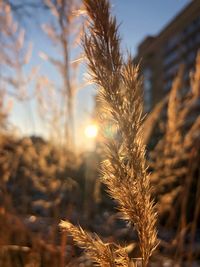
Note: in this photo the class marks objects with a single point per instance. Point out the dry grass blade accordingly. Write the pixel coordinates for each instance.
(102, 254)
(125, 172)
(173, 134)
(195, 78)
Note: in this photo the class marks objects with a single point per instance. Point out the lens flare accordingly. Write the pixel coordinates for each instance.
(91, 131)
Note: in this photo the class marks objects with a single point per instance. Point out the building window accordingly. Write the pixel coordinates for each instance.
(168, 85)
(191, 57)
(169, 58)
(172, 42)
(172, 71)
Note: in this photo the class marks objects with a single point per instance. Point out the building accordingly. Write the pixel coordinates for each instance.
(161, 55)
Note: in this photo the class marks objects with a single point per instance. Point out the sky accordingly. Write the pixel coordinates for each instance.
(137, 19)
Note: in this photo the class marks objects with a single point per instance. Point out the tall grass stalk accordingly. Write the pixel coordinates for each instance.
(125, 171)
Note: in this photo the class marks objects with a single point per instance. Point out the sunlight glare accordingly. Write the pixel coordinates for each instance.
(91, 131)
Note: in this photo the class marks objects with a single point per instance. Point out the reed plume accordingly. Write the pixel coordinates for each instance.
(173, 134)
(195, 78)
(104, 255)
(175, 162)
(125, 170)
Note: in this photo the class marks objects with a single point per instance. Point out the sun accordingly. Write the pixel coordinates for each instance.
(91, 131)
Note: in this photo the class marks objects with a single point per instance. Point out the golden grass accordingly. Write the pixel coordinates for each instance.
(125, 170)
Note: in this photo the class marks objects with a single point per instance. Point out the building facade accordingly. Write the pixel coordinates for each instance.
(160, 56)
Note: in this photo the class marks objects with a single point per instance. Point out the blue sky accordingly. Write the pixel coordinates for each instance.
(137, 19)
(140, 18)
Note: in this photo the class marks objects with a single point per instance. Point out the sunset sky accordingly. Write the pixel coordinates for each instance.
(137, 19)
